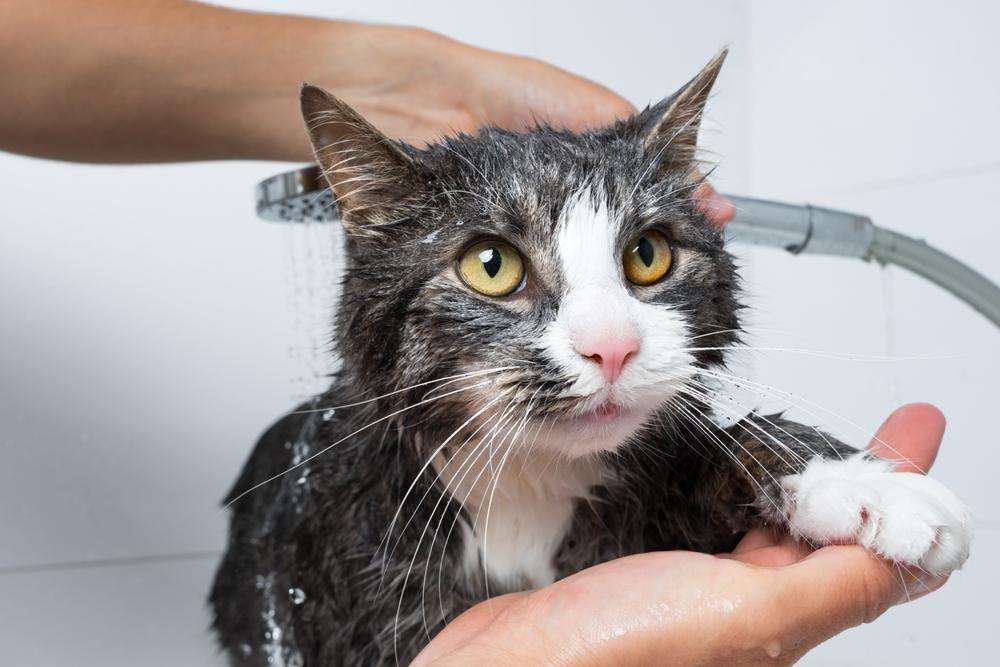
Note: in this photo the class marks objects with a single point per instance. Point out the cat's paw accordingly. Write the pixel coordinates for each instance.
(903, 517)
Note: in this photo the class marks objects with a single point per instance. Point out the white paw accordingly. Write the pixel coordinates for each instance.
(903, 517)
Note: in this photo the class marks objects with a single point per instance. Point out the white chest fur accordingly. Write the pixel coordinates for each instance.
(519, 512)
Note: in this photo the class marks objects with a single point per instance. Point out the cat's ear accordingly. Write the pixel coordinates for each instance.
(670, 127)
(366, 170)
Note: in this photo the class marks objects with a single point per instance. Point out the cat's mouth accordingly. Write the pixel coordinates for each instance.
(605, 413)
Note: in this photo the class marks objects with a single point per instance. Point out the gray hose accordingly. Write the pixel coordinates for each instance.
(889, 247)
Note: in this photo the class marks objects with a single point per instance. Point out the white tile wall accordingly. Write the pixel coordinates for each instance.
(889, 109)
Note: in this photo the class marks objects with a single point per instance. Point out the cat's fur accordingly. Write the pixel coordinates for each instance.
(404, 508)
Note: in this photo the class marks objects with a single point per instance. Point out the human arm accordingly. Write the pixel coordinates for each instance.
(164, 80)
(173, 80)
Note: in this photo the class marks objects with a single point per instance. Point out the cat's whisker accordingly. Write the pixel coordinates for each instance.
(469, 465)
(444, 493)
(714, 435)
(717, 332)
(837, 356)
(460, 475)
(496, 482)
(431, 392)
(694, 420)
(720, 405)
(531, 447)
(830, 445)
(797, 401)
(475, 483)
(448, 379)
(409, 570)
(426, 465)
(736, 414)
(346, 437)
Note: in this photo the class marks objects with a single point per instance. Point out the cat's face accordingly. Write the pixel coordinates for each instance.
(571, 277)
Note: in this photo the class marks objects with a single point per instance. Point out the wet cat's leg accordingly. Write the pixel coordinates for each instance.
(826, 492)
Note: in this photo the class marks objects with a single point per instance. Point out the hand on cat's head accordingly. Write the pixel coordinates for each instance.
(429, 87)
(767, 603)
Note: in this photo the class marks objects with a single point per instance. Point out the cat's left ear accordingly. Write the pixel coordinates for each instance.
(671, 126)
(367, 171)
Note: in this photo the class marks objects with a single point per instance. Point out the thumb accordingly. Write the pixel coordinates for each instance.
(840, 587)
(910, 437)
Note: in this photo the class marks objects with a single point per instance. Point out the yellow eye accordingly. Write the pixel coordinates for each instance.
(493, 268)
(647, 258)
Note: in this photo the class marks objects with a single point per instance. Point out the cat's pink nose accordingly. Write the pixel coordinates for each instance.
(610, 354)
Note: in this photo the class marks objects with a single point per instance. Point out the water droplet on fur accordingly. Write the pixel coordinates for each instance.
(246, 650)
(296, 595)
(328, 415)
(430, 238)
(299, 452)
(773, 649)
(302, 478)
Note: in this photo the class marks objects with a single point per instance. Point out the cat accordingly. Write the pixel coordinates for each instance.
(527, 326)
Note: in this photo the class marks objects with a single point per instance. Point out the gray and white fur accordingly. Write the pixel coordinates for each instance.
(474, 445)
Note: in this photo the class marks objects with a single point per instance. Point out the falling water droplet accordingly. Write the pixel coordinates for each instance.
(296, 595)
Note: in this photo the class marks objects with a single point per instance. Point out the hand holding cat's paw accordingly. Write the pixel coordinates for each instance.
(901, 516)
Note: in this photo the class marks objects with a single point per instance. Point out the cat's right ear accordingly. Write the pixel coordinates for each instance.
(367, 171)
(669, 129)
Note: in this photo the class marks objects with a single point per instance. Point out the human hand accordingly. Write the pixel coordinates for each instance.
(766, 603)
(419, 86)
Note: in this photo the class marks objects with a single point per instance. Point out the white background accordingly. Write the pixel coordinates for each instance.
(150, 326)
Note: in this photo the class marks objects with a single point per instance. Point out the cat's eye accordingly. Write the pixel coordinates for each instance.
(647, 258)
(493, 268)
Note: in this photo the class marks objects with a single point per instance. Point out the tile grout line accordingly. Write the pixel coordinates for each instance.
(109, 562)
(915, 179)
(987, 525)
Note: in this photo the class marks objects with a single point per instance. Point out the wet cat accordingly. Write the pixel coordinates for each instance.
(527, 326)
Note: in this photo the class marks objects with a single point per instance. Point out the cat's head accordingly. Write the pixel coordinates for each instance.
(579, 264)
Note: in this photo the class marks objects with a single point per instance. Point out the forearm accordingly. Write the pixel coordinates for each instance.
(167, 80)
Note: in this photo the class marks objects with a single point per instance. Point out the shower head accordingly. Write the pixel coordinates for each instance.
(303, 196)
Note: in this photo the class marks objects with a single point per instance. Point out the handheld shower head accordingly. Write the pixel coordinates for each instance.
(302, 196)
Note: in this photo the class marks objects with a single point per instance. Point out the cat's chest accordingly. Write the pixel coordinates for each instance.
(518, 514)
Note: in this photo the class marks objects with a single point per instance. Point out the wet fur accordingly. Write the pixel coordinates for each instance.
(682, 483)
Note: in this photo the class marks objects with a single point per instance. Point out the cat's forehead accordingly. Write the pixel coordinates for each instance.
(524, 183)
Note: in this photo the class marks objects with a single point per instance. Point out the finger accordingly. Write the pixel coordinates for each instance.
(714, 206)
(757, 538)
(910, 436)
(599, 108)
(837, 588)
(785, 552)
(469, 624)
